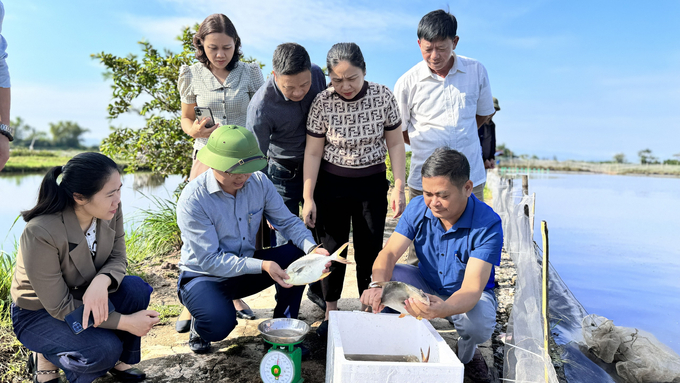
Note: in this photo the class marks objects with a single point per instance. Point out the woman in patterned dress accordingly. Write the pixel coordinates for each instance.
(221, 82)
(351, 127)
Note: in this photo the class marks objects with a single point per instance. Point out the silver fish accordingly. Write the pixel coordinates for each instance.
(394, 294)
(309, 268)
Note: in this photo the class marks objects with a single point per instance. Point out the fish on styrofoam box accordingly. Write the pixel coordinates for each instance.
(385, 335)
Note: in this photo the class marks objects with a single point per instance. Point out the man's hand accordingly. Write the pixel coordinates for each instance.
(372, 297)
(96, 300)
(319, 250)
(489, 164)
(276, 273)
(438, 308)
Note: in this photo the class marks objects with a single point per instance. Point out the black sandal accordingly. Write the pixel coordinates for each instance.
(32, 366)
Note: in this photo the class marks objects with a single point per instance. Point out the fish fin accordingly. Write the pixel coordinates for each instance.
(337, 252)
(323, 276)
(343, 260)
(402, 315)
(313, 248)
(424, 358)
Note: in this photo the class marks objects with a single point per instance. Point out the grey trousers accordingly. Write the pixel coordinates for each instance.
(474, 327)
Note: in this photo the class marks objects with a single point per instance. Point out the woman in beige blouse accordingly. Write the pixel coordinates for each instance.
(223, 83)
(350, 129)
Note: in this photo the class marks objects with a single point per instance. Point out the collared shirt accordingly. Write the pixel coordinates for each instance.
(219, 230)
(443, 254)
(279, 124)
(4, 71)
(228, 102)
(440, 111)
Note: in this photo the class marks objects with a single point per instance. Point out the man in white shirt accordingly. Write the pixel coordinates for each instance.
(443, 100)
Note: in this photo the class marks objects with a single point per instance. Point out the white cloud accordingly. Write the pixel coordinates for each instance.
(273, 21)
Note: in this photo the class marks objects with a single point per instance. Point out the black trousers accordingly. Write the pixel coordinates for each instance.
(360, 202)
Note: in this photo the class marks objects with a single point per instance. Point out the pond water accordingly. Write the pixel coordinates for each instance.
(20, 192)
(612, 240)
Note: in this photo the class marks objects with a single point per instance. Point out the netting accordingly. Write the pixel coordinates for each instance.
(526, 359)
(592, 348)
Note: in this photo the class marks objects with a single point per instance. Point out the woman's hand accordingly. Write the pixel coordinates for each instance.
(372, 297)
(198, 129)
(96, 300)
(139, 323)
(309, 213)
(398, 201)
(438, 308)
(276, 273)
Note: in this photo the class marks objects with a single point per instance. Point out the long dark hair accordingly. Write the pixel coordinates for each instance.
(217, 23)
(84, 174)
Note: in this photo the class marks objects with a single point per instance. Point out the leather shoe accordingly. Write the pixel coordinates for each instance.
(183, 325)
(316, 299)
(322, 330)
(196, 343)
(476, 369)
(132, 374)
(247, 314)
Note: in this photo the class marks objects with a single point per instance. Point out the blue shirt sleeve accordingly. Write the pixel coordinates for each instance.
(257, 122)
(408, 222)
(200, 235)
(488, 243)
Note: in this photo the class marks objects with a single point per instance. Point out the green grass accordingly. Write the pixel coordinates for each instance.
(156, 233)
(22, 160)
(167, 312)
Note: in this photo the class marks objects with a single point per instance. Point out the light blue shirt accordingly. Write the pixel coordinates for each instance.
(444, 254)
(4, 71)
(219, 230)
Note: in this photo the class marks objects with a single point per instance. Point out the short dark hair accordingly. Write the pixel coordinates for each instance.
(85, 174)
(290, 59)
(349, 52)
(446, 162)
(217, 23)
(437, 25)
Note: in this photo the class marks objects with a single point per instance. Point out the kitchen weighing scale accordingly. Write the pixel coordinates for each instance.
(282, 362)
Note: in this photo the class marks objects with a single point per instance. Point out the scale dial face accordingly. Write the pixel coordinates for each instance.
(277, 367)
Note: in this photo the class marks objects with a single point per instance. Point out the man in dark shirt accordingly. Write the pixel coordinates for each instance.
(487, 138)
(277, 115)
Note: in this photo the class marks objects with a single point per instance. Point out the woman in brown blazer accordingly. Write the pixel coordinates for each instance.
(72, 254)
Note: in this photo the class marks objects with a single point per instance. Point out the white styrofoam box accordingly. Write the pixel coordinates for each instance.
(387, 334)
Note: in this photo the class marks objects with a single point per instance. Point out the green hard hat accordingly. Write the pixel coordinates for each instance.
(232, 149)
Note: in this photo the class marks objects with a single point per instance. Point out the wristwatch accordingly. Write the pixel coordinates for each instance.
(5, 130)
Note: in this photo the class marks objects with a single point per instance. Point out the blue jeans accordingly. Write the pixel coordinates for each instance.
(93, 352)
(287, 179)
(474, 327)
(209, 298)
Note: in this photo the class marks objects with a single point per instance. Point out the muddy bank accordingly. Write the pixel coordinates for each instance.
(167, 358)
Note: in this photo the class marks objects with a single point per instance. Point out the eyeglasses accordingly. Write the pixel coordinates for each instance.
(239, 175)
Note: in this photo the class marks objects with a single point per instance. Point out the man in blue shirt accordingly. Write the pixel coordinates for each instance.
(219, 214)
(457, 240)
(277, 115)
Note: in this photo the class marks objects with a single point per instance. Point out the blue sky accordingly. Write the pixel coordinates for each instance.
(576, 80)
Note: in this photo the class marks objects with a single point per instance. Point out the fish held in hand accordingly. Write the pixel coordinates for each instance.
(394, 294)
(310, 268)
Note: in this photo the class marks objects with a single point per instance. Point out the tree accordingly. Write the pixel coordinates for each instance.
(646, 157)
(66, 134)
(161, 145)
(620, 158)
(507, 153)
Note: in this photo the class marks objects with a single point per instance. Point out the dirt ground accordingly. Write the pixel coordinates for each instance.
(167, 358)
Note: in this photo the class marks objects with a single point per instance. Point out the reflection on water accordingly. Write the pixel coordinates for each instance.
(613, 241)
(20, 192)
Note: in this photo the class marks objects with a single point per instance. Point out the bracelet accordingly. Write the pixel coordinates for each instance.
(6, 131)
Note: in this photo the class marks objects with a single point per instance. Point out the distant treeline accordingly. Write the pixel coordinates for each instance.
(62, 135)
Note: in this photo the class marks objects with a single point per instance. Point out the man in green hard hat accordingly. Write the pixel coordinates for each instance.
(219, 214)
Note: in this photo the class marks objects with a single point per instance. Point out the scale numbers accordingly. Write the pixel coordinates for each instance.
(277, 366)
